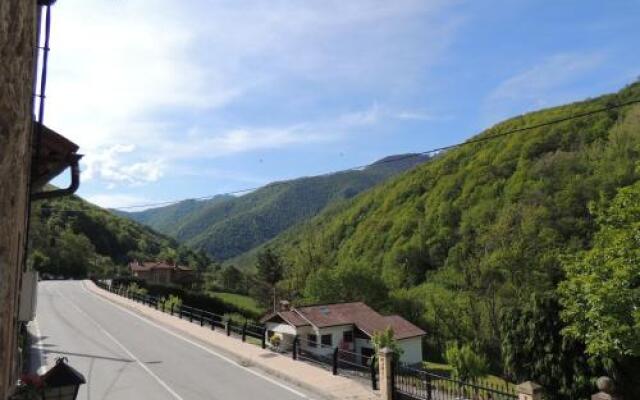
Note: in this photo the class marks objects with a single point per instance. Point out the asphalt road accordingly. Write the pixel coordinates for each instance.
(125, 356)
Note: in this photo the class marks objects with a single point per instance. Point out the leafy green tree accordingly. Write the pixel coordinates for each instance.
(601, 294)
(269, 271)
(232, 278)
(382, 339)
(466, 364)
(534, 348)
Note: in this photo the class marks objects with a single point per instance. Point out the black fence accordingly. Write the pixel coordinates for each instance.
(339, 361)
(411, 383)
(204, 318)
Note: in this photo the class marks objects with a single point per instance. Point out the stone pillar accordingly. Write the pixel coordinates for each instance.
(606, 390)
(529, 391)
(17, 55)
(385, 357)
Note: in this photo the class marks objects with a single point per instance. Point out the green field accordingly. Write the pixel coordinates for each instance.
(239, 300)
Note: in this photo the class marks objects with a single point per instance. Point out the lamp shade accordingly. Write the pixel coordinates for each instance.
(62, 381)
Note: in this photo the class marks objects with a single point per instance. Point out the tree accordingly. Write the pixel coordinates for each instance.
(534, 348)
(466, 364)
(601, 295)
(269, 267)
(269, 271)
(382, 339)
(232, 278)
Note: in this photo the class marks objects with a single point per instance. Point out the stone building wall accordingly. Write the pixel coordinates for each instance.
(17, 40)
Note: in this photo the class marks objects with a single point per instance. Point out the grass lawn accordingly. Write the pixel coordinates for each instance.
(239, 300)
(445, 369)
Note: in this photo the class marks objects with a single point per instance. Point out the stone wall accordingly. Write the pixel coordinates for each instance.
(17, 40)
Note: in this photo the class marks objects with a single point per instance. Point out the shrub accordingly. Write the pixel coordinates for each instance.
(171, 302)
(466, 364)
(134, 288)
(275, 340)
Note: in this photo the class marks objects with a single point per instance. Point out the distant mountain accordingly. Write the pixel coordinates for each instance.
(227, 226)
(72, 237)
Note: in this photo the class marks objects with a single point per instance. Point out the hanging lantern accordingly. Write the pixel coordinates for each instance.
(61, 382)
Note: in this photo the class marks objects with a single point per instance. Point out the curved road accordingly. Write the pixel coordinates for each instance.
(125, 356)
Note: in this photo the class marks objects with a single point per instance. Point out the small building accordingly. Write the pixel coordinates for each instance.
(160, 272)
(349, 326)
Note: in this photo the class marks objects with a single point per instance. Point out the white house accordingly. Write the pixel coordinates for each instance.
(349, 326)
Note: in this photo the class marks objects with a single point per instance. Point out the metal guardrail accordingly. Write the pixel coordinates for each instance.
(194, 315)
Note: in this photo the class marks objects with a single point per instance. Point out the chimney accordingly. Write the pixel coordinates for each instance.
(284, 305)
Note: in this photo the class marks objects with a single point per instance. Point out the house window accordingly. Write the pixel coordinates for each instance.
(347, 336)
(312, 340)
(326, 340)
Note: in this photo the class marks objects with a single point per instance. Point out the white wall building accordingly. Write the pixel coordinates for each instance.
(348, 326)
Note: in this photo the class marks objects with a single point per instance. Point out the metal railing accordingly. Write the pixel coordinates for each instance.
(194, 315)
(411, 383)
(339, 361)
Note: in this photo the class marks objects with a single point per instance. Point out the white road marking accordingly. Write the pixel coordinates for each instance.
(198, 345)
(124, 348)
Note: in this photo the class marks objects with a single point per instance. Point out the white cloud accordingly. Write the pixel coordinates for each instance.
(127, 74)
(416, 116)
(109, 166)
(543, 84)
(107, 200)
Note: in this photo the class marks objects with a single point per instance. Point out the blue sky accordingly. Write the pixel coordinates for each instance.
(192, 98)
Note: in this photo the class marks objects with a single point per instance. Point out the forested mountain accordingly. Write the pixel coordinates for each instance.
(164, 219)
(473, 246)
(226, 226)
(73, 238)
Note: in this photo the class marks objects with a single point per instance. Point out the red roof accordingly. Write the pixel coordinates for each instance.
(359, 314)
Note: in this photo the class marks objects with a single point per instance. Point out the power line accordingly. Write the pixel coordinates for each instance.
(391, 160)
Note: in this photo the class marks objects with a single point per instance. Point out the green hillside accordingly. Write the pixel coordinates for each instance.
(164, 219)
(73, 238)
(225, 227)
(473, 244)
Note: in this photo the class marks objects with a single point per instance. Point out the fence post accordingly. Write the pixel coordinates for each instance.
(213, 325)
(335, 361)
(244, 331)
(180, 312)
(385, 359)
(529, 391)
(172, 307)
(372, 369)
(158, 304)
(607, 390)
(202, 318)
(264, 338)
(227, 327)
(294, 353)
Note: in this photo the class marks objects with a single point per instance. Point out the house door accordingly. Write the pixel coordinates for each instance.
(367, 355)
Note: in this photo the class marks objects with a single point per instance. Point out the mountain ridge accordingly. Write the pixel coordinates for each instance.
(227, 225)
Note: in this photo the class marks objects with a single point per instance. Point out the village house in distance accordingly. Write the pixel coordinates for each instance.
(160, 272)
(348, 326)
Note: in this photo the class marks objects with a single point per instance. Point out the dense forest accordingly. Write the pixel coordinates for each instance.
(524, 246)
(72, 238)
(226, 226)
